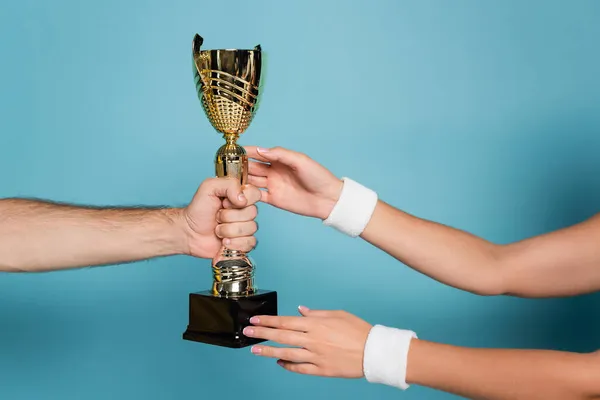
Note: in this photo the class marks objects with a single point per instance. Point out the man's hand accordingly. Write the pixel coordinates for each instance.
(329, 343)
(294, 182)
(209, 225)
(44, 236)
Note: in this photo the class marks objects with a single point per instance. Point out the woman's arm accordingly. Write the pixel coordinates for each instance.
(504, 374)
(339, 344)
(561, 263)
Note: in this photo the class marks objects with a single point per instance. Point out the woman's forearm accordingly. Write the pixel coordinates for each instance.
(446, 254)
(560, 263)
(494, 374)
(42, 236)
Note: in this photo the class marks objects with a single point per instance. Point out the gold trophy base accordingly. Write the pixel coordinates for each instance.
(220, 321)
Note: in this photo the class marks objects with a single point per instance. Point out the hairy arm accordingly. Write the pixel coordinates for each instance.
(561, 263)
(497, 374)
(43, 236)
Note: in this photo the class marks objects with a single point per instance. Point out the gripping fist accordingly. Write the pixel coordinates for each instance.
(209, 225)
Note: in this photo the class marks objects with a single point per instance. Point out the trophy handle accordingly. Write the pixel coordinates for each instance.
(197, 43)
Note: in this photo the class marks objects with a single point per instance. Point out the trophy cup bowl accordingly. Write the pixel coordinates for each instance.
(228, 86)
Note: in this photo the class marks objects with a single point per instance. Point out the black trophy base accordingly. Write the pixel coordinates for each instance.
(220, 321)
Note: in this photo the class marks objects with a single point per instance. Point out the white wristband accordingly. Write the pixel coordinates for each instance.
(353, 210)
(386, 356)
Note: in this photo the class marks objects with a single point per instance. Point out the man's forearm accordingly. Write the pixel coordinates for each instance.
(42, 236)
(493, 374)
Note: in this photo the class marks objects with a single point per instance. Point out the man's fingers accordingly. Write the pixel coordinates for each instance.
(232, 192)
(229, 215)
(245, 244)
(265, 197)
(284, 353)
(299, 324)
(258, 181)
(300, 368)
(229, 188)
(258, 169)
(290, 338)
(236, 229)
(227, 204)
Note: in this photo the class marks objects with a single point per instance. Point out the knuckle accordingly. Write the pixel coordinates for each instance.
(267, 351)
(291, 337)
(261, 332)
(211, 181)
(313, 345)
(286, 354)
(276, 335)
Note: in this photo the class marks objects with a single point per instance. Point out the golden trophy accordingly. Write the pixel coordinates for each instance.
(228, 83)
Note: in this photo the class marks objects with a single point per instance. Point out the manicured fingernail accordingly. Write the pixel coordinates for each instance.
(303, 308)
(262, 150)
(241, 197)
(280, 363)
(255, 350)
(226, 241)
(254, 320)
(248, 331)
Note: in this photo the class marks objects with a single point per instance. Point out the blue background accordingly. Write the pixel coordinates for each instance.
(481, 115)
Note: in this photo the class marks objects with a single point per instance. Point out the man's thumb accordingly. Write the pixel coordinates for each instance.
(231, 189)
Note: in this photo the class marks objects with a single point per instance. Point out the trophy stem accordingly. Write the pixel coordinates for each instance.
(233, 271)
(231, 138)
